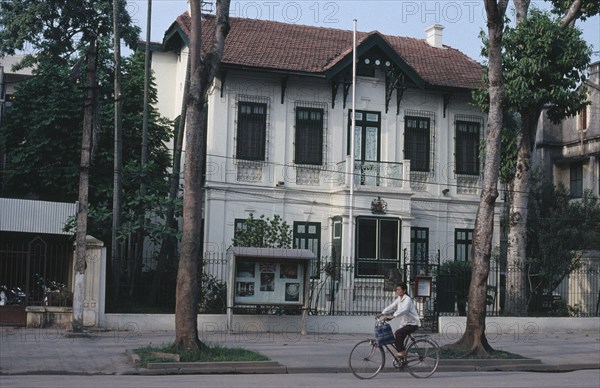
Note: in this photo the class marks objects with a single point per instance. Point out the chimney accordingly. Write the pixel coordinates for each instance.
(434, 35)
(595, 73)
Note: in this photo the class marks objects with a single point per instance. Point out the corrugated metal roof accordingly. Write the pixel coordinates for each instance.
(28, 216)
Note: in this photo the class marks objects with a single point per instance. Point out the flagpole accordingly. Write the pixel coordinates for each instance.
(352, 148)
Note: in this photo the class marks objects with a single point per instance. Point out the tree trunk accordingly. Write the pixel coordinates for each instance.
(84, 176)
(202, 74)
(118, 158)
(516, 282)
(140, 235)
(474, 340)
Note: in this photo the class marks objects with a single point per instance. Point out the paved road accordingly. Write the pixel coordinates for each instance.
(51, 351)
(577, 379)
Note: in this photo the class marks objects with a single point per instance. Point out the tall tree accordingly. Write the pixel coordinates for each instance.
(56, 30)
(84, 177)
(544, 61)
(45, 111)
(168, 248)
(118, 154)
(474, 340)
(203, 70)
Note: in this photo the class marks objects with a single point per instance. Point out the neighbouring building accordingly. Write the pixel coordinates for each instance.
(280, 143)
(568, 153)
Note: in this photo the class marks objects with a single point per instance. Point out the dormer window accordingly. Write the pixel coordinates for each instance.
(373, 59)
(365, 68)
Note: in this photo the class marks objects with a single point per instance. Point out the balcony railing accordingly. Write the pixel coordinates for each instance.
(367, 173)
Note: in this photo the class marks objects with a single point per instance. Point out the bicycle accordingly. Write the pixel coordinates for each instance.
(367, 358)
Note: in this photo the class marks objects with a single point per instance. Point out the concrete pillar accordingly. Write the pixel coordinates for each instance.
(94, 283)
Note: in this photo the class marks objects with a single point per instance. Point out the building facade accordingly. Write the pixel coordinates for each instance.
(569, 153)
(280, 141)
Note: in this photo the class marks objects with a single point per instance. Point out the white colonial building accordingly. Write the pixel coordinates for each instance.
(279, 140)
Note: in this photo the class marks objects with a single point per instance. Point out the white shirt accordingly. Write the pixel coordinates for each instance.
(405, 310)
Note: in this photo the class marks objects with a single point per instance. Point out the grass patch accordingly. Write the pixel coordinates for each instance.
(460, 355)
(209, 354)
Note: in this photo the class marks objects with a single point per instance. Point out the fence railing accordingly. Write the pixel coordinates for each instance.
(341, 292)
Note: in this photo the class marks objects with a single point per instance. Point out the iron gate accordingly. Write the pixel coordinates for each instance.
(24, 263)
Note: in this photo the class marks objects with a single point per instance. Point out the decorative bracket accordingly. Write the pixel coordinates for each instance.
(334, 90)
(223, 78)
(446, 102)
(284, 81)
(347, 85)
(394, 80)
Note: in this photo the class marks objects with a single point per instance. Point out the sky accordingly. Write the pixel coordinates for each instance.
(462, 20)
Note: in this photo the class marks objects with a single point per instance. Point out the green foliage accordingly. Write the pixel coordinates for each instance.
(264, 233)
(213, 295)
(43, 165)
(42, 134)
(208, 354)
(543, 66)
(460, 273)
(558, 229)
(42, 131)
(509, 146)
(57, 29)
(588, 8)
(456, 267)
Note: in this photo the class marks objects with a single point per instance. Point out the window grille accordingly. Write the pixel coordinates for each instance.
(251, 136)
(310, 133)
(419, 139)
(468, 135)
(463, 244)
(576, 180)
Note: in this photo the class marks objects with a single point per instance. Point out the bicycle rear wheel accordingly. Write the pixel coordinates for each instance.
(366, 359)
(422, 358)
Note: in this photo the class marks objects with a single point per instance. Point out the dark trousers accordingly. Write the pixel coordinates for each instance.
(401, 335)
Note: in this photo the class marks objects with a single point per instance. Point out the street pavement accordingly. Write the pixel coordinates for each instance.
(97, 352)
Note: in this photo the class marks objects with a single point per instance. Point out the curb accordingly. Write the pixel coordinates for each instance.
(274, 367)
(135, 359)
(229, 367)
(281, 369)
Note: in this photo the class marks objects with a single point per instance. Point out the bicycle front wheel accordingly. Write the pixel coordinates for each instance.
(366, 359)
(422, 358)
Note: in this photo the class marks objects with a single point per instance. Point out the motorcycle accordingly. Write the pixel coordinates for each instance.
(53, 292)
(12, 296)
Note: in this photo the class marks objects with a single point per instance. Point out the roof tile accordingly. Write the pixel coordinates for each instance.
(298, 48)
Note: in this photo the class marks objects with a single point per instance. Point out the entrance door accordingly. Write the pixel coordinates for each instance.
(367, 135)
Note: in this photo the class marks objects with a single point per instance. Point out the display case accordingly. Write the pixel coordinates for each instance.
(268, 277)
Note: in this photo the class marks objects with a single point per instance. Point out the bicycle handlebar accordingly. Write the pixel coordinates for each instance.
(383, 318)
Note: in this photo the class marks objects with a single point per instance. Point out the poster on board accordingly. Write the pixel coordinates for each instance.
(269, 283)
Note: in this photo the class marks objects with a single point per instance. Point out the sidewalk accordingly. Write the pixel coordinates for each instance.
(52, 351)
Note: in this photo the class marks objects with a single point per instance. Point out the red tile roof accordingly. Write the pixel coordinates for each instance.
(298, 48)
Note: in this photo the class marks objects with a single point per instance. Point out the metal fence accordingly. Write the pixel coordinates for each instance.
(338, 291)
(29, 264)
